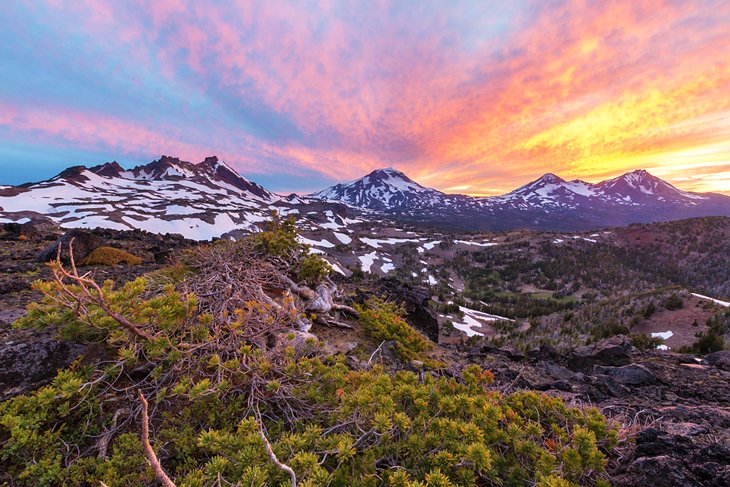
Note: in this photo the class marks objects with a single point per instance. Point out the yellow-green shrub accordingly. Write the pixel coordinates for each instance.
(382, 320)
(110, 256)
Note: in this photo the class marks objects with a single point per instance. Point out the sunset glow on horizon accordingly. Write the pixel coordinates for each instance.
(467, 97)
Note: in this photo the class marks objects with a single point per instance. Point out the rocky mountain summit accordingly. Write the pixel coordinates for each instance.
(384, 189)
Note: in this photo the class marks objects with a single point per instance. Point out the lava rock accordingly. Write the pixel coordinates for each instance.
(29, 363)
(611, 351)
(557, 371)
(84, 242)
(720, 359)
(632, 374)
(415, 300)
(35, 229)
(544, 352)
(509, 352)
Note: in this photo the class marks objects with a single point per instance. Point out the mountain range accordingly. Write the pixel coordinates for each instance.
(197, 200)
(548, 203)
(210, 199)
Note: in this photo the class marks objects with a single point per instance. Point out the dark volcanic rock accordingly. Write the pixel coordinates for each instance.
(509, 352)
(35, 229)
(29, 362)
(664, 458)
(720, 359)
(544, 352)
(557, 371)
(611, 351)
(84, 242)
(632, 374)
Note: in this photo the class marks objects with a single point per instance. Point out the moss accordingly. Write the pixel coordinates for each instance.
(110, 256)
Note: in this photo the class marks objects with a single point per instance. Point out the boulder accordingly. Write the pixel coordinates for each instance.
(30, 362)
(35, 229)
(613, 351)
(509, 352)
(84, 242)
(720, 359)
(544, 352)
(632, 374)
(557, 371)
(660, 471)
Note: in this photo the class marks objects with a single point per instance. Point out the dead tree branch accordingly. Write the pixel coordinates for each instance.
(272, 455)
(90, 293)
(148, 451)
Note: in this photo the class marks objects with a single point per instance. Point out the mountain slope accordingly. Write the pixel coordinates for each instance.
(383, 189)
(198, 201)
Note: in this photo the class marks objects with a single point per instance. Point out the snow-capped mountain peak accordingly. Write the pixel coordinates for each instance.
(382, 189)
(549, 202)
(198, 200)
(550, 190)
(640, 185)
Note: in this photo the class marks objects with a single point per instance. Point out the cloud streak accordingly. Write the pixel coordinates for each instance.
(472, 96)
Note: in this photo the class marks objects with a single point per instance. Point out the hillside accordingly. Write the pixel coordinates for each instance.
(233, 345)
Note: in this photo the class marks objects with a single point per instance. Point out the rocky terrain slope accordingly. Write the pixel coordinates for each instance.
(671, 408)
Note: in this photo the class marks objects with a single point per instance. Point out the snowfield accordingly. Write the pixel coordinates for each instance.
(716, 301)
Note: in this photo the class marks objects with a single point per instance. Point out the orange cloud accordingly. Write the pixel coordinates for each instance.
(465, 99)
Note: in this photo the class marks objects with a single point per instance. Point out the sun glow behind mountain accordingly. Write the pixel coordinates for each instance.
(470, 98)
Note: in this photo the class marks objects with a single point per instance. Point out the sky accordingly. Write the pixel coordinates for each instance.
(464, 96)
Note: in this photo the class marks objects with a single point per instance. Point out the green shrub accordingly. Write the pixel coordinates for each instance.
(642, 341)
(673, 302)
(110, 256)
(707, 342)
(279, 238)
(649, 310)
(365, 425)
(313, 269)
(382, 321)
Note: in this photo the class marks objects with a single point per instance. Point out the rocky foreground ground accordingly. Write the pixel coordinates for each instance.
(674, 409)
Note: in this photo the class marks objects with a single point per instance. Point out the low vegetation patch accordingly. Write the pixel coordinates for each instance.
(382, 320)
(110, 256)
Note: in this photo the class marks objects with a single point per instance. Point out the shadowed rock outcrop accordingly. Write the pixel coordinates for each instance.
(84, 243)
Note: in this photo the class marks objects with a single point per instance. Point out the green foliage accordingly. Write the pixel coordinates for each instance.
(170, 311)
(382, 321)
(110, 256)
(673, 302)
(313, 269)
(642, 341)
(707, 342)
(404, 429)
(279, 238)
